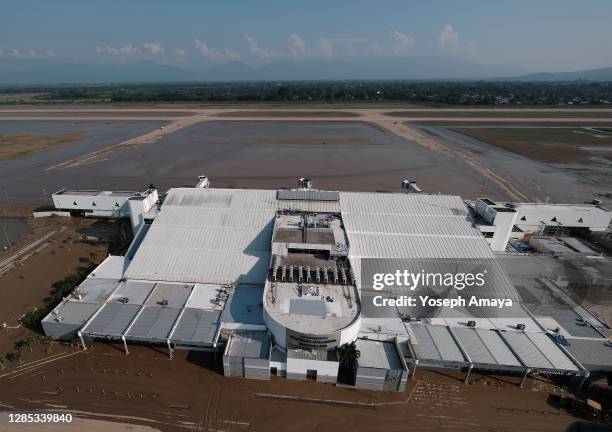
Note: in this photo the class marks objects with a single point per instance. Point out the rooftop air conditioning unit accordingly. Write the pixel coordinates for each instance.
(304, 183)
(203, 182)
(471, 324)
(520, 326)
(410, 186)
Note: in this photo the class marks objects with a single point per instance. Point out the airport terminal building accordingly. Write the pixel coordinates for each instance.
(272, 280)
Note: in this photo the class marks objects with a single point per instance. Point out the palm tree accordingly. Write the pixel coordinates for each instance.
(348, 355)
(15, 356)
(47, 340)
(26, 343)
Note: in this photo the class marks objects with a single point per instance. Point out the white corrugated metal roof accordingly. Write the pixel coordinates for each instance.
(112, 320)
(153, 323)
(377, 245)
(440, 226)
(237, 199)
(249, 343)
(307, 195)
(485, 347)
(416, 226)
(410, 226)
(168, 237)
(111, 268)
(378, 354)
(212, 217)
(196, 327)
(203, 266)
(497, 347)
(538, 351)
(594, 353)
(402, 204)
(208, 236)
(551, 350)
(435, 343)
(310, 206)
(71, 312)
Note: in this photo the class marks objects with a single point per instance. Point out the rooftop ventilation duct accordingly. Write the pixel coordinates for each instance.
(304, 183)
(410, 186)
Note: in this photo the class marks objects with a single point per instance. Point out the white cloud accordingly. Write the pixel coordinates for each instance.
(326, 48)
(448, 37)
(403, 42)
(257, 50)
(112, 51)
(26, 53)
(299, 49)
(146, 49)
(213, 54)
(297, 45)
(232, 55)
(210, 53)
(153, 48)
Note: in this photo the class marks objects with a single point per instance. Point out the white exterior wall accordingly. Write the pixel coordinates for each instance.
(327, 371)
(593, 217)
(139, 205)
(278, 330)
(106, 205)
(500, 223)
(347, 334)
(504, 222)
(281, 367)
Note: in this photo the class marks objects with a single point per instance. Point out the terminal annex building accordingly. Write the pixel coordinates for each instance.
(272, 279)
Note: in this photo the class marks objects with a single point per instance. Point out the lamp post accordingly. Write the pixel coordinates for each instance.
(8, 202)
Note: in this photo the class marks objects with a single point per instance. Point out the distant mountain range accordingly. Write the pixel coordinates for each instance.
(601, 74)
(57, 71)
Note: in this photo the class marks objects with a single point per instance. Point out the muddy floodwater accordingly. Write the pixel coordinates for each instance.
(11, 230)
(242, 154)
(541, 181)
(26, 182)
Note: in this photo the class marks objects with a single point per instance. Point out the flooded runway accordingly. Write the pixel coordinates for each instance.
(24, 181)
(241, 154)
(544, 182)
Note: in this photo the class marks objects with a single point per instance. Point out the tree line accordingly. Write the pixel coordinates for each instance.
(433, 93)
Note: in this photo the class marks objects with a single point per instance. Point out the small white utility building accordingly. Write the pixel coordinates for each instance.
(501, 221)
(113, 204)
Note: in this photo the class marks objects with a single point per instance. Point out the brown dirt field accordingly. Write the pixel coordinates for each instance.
(27, 285)
(549, 145)
(190, 391)
(77, 425)
(14, 146)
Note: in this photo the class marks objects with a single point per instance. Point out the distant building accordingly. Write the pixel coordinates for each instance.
(501, 221)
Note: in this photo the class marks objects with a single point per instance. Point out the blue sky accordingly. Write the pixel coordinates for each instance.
(536, 34)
